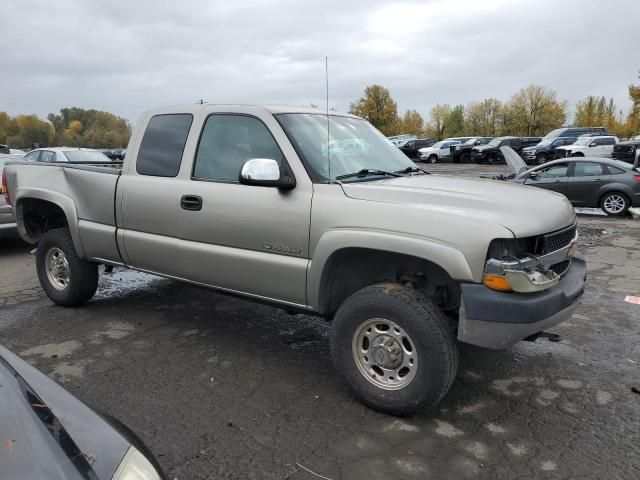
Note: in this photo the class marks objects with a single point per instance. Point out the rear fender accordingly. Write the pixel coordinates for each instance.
(66, 204)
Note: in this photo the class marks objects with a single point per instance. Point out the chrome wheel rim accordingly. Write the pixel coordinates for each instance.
(614, 203)
(434, 159)
(57, 267)
(385, 354)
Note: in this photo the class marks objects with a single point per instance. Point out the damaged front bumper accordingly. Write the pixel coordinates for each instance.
(493, 319)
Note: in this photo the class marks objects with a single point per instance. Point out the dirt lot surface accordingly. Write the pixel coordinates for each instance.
(223, 388)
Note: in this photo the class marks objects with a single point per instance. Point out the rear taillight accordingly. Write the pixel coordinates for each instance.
(5, 190)
(636, 178)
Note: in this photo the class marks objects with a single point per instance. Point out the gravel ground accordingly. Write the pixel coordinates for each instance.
(223, 388)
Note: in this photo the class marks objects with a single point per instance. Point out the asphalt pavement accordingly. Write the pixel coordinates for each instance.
(224, 388)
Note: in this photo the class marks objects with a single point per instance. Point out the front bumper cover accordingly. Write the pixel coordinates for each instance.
(497, 320)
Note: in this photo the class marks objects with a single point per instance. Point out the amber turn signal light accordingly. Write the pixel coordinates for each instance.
(496, 282)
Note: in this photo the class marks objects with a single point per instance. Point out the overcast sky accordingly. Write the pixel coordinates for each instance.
(128, 56)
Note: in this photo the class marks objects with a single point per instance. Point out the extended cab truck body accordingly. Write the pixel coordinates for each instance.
(255, 201)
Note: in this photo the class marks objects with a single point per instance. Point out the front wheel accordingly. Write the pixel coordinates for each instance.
(541, 158)
(64, 276)
(433, 159)
(577, 154)
(395, 348)
(465, 158)
(614, 203)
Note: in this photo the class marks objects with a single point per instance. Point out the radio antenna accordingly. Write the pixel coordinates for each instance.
(326, 76)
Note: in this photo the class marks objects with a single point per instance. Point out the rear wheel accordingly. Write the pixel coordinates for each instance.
(64, 276)
(433, 159)
(614, 203)
(395, 348)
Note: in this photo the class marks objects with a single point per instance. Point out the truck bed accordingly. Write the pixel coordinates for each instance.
(88, 190)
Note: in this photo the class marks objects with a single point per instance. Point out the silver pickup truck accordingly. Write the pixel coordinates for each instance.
(319, 214)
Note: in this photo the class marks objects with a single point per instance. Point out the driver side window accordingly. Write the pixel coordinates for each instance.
(228, 141)
(554, 171)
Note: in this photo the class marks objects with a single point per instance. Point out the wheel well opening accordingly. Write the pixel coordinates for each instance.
(39, 216)
(352, 269)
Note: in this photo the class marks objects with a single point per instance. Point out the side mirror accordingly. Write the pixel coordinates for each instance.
(592, 144)
(265, 172)
(533, 175)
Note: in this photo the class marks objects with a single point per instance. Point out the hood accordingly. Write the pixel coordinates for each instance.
(427, 149)
(524, 210)
(515, 162)
(484, 147)
(43, 427)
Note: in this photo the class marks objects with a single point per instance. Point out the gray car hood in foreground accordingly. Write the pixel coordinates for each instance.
(524, 210)
(41, 425)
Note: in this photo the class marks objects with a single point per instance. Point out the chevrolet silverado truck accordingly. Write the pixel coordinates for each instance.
(254, 201)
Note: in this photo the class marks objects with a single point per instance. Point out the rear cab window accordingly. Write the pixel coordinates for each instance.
(162, 146)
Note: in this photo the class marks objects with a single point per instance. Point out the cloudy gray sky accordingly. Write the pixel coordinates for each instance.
(128, 56)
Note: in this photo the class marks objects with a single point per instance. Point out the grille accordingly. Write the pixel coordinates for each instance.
(561, 267)
(556, 241)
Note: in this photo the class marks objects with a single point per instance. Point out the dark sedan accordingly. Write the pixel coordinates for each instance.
(46, 433)
(410, 149)
(611, 185)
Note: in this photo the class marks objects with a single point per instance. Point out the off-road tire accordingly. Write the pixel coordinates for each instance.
(430, 332)
(83, 276)
(541, 158)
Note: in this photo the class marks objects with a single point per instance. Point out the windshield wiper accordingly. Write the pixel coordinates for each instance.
(365, 172)
(411, 170)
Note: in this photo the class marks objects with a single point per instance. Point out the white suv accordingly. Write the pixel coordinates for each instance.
(437, 152)
(601, 146)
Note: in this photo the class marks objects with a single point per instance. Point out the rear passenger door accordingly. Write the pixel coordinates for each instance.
(149, 193)
(244, 238)
(585, 182)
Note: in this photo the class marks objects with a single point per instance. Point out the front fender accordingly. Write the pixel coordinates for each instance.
(65, 203)
(447, 257)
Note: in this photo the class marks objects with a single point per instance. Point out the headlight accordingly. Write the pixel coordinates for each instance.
(135, 466)
(509, 266)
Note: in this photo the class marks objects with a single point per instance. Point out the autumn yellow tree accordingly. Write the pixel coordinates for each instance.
(534, 110)
(483, 118)
(412, 123)
(438, 120)
(73, 134)
(378, 107)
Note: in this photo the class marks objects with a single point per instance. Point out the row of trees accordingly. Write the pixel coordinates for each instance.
(72, 127)
(532, 111)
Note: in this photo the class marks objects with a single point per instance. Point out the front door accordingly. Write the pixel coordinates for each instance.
(242, 238)
(553, 177)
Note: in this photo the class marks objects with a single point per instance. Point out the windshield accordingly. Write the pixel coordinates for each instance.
(86, 156)
(471, 141)
(545, 143)
(495, 142)
(554, 133)
(438, 144)
(354, 145)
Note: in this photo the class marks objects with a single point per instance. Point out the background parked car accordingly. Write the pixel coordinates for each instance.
(530, 141)
(574, 132)
(589, 147)
(48, 433)
(17, 152)
(7, 219)
(627, 151)
(491, 153)
(462, 151)
(4, 149)
(438, 152)
(410, 149)
(66, 154)
(545, 150)
(611, 185)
